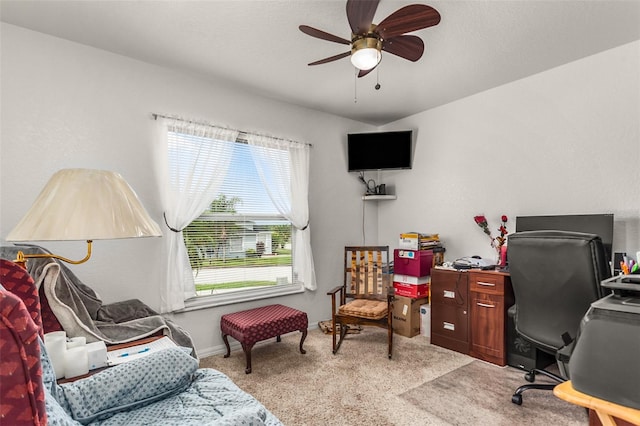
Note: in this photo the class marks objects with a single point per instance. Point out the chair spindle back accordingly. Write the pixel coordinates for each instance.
(365, 270)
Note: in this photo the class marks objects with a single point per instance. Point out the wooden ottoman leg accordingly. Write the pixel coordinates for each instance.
(304, 336)
(247, 353)
(226, 342)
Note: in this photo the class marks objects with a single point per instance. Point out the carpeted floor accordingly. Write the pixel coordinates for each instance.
(422, 385)
(487, 389)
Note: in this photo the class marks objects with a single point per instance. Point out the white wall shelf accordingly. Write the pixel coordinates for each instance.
(378, 197)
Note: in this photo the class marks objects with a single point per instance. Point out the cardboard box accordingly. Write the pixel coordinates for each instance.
(425, 320)
(414, 291)
(406, 315)
(408, 279)
(416, 263)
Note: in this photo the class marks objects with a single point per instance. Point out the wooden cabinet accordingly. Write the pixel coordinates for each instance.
(450, 310)
(469, 312)
(490, 297)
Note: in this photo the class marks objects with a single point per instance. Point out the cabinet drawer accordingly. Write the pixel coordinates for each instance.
(449, 288)
(486, 283)
(450, 321)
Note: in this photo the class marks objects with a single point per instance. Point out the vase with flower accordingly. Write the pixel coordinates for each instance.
(496, 242)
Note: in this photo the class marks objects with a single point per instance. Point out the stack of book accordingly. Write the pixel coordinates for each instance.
(419, 241)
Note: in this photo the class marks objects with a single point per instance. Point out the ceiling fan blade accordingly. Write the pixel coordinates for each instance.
(406, 46)
(362, 73)
(313, 32)
(360, 15)
(331, 58)
(407, 19)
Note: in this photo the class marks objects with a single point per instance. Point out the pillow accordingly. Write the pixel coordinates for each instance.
(129, 386)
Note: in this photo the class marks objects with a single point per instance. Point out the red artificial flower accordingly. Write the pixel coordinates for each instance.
(496, 242)
(480, 220)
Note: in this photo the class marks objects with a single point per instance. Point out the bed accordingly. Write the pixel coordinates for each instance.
(164, 388)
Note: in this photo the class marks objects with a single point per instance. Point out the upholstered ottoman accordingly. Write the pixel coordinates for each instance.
(255, 325)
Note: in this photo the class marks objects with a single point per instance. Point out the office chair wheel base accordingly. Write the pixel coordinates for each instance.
(516, 399)
(530, 377)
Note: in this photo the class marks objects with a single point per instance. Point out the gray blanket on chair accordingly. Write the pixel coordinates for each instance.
(81, 312)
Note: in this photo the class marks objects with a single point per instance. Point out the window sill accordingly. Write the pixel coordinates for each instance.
(204, 302)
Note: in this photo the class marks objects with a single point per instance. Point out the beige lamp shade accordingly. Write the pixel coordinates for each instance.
(85, 204)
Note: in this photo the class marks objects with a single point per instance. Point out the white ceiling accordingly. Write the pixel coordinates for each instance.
(257, 45)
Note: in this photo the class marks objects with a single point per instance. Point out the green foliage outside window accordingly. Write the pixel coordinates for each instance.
(207, 240)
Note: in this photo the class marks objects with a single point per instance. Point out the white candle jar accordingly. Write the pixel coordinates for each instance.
(56, 344)
(76, 362)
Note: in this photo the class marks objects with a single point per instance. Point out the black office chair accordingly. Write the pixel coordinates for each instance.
(555, 277)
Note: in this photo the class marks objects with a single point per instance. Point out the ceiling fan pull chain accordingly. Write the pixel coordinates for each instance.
(355, 86)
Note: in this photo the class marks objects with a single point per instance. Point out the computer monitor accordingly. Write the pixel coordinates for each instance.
(599, 224)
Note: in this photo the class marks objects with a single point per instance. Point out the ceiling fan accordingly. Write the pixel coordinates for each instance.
(369, 40)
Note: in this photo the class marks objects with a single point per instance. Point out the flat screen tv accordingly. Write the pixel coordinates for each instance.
(599, 224)
(379, 151)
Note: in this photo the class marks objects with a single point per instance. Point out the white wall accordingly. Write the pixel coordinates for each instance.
(68, 105)
(565, 141)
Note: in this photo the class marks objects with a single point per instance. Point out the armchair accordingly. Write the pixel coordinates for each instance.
(165, 387)
(555, 276)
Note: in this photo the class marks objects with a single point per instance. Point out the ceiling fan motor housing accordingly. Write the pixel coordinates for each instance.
(370, 41)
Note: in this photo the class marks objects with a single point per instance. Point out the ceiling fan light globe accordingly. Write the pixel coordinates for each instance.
(365, 59)
(366, 52)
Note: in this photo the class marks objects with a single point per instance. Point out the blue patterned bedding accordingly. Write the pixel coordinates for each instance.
(164, 388)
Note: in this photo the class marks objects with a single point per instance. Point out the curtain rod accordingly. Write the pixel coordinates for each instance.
(241, 132)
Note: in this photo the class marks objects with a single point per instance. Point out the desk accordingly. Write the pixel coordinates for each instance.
(609, 413)
(469, 312)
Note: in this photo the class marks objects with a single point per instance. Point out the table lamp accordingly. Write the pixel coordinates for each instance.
(83, 205)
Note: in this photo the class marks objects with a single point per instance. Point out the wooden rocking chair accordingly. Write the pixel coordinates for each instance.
(367, 285)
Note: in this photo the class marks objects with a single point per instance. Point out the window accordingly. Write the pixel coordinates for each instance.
(239, 211)
(241, 241)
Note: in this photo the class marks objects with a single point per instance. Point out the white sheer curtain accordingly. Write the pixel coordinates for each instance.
(205, 153)
(286, 181)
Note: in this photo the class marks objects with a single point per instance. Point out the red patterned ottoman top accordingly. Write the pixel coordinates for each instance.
(254, 325)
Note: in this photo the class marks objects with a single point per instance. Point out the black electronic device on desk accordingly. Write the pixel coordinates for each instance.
(473, 262)
(604, 362)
